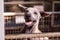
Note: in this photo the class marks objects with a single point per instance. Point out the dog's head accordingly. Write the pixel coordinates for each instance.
(32, 15)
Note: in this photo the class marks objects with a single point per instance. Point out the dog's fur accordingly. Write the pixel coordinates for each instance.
(32, 16)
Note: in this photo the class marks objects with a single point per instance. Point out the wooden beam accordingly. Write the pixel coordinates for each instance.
(19, 2)
(56, 34)
(13, 14)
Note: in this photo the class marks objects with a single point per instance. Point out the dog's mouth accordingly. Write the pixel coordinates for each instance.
(30, 22)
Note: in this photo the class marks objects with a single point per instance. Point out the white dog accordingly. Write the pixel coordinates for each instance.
(32, 16)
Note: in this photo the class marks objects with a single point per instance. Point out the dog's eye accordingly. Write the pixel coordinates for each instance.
(35, 13)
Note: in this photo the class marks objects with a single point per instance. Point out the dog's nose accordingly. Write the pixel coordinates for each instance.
(28, 15)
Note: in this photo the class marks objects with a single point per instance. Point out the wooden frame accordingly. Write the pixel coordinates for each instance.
(52, 17)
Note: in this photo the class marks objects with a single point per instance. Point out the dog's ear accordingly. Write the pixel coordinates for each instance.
(43, 14)
(22, 6)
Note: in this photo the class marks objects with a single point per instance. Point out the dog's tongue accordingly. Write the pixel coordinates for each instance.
(28, 23)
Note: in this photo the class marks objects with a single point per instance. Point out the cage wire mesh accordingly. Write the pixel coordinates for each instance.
(50, 26)
(15, 29)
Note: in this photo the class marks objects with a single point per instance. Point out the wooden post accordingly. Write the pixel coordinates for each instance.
(1, 21)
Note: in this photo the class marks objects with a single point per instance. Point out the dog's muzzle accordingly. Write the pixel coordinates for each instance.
(28, 21)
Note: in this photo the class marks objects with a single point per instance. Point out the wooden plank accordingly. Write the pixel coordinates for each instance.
(13, 14)
(19, 2)
(56, 34)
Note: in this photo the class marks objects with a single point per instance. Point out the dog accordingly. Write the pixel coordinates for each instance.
(32, 17)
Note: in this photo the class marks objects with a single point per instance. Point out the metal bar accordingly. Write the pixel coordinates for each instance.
(33, 35)
(56, 1)
(54, 12)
